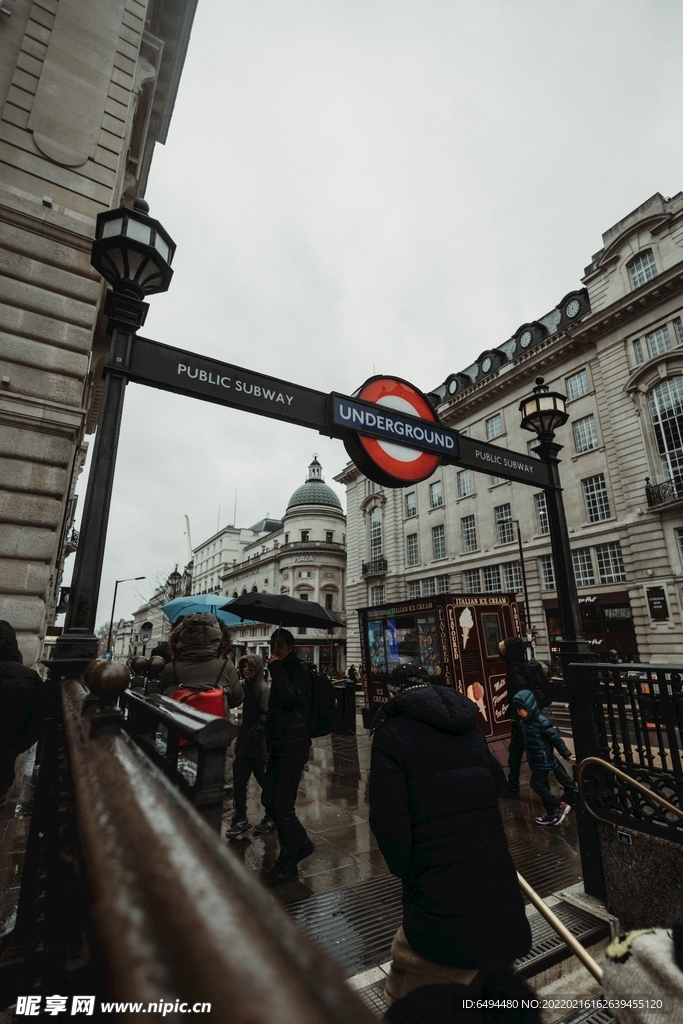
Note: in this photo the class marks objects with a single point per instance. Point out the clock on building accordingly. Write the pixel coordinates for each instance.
(486, 364)
(572, 308)
(525, 340)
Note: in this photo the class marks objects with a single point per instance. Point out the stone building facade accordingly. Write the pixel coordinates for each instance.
(224, 550)
(87, 89)
(305, 558)
(615, 348)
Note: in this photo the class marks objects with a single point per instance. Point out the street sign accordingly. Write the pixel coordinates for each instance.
(389, 428)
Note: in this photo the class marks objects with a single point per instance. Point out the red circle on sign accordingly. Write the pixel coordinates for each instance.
(406, 464)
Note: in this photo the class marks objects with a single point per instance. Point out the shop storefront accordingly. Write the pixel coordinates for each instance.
(607, 624)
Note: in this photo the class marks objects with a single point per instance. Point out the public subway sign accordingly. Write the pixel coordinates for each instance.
(389, 427)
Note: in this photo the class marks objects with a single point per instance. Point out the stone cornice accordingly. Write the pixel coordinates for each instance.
(40, 415)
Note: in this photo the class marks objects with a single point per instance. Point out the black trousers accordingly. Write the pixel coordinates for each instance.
(242, 769)
(6, 779)
(540, 783)
(515, 753)
(283, 775)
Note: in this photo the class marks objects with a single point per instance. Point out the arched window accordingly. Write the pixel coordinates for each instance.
(666, 410)
(254, 590)
(376, 533)
(234, 593)
(642, 269)
(244, 592)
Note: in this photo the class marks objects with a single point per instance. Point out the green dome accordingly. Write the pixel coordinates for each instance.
(315, 491)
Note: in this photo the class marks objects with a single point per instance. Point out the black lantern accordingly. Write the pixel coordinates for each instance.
(132, 251)
(543, 411)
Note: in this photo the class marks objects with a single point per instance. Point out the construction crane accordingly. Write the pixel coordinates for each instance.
(189, 538)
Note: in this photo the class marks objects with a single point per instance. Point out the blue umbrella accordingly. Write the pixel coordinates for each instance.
(213, 603)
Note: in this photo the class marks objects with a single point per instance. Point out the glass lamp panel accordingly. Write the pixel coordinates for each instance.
(115, 258)
(139, 231)
(161, 247)
(136, 261)
(112, 227)
(530, 407)
(546, 402)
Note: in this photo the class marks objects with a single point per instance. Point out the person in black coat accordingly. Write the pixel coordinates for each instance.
(251, 753)
(541, 740)
(434, 787)
(22, 706)
(289, 743)
(522, 674)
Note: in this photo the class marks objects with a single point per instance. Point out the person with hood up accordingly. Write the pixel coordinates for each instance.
(251, 752)
(541, 739)
(23, 699)
(434, 787)
(200, 660)
(522, 674)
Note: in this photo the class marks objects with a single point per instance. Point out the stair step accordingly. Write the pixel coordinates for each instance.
(355, 926)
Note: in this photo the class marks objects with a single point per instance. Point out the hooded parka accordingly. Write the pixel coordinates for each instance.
(541, 738)
(434, 788)
(251, 739)
(197, 666)
(289, 708)
(23, 698)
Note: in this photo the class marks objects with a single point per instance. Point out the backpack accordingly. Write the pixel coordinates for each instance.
(212, 701)
(322, 705)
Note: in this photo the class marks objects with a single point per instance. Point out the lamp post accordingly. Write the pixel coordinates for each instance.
(113, 606)
(542, 413)
(133, 252)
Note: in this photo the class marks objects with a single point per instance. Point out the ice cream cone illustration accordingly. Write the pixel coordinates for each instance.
(466, 622)
(475, 691)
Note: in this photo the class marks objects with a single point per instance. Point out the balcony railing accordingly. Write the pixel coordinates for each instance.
(659, 494)
(375, 567)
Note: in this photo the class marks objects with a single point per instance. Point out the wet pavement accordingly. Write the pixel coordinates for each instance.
(333, 807)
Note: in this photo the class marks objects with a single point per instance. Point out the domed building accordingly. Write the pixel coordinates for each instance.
(305, 558)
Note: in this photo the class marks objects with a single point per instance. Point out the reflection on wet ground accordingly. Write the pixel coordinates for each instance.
(333, 806)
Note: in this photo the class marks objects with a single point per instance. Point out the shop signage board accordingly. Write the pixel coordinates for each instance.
(389, 427)
(656, 600)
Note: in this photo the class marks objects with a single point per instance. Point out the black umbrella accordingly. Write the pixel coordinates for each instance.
(283, 610)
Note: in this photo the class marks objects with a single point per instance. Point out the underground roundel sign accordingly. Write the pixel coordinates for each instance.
(389, 463)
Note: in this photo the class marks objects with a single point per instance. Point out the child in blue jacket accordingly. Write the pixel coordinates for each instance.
(541, 739)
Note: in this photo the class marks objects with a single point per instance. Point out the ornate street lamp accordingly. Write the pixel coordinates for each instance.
(133, 252)
(543, 412)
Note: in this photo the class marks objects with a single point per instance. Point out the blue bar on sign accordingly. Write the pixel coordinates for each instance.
(380, 421)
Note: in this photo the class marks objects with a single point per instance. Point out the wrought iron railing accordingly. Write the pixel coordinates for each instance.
(375, 567)
(659, 494)
(638, 714)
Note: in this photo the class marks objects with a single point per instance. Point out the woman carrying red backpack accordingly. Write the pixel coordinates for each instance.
(201, 673)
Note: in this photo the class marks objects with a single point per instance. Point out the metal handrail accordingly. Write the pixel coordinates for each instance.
(553, 920)
(626, 778)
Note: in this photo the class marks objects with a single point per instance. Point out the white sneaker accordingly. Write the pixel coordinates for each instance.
(562, 812)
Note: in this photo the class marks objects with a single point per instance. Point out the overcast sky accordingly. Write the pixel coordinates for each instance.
(366, 186)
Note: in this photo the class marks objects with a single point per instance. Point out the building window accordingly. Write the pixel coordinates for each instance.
(329, 537)
(439, 541)
(495, 480)
(547, 572)
(531, 447)
(494, 426)
(328, 601)
(435, 495)
(642, 269)
(376, 533)
(583, 567)
(443, 584)
(585, 434)
(286, 540)
(665, 402)
(512, 577)
(679, 540)
(541, 506)
(413, 589)
(378, 595)
(638, 349)
(465, 483)
(304, 574)
(492, 579)
(428, 587)
(595, 498)
(471, 581)
(469, 533)
(305, 534)
(658, 341)
(411, 505)
(610, 563)
(503, 514)
(577, 385)
(412, 549)
(678, 330)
